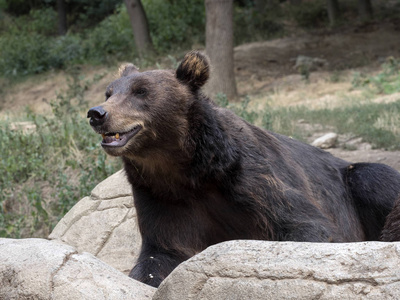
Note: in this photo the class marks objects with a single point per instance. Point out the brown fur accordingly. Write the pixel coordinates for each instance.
(201, 175)
(391, 231)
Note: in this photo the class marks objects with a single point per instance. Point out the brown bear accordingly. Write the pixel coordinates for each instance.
(201, 175)
(391, 230)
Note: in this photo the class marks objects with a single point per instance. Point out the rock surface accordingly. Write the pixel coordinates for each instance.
(326, 141)
(41, 269)
(287, 270)
(104, 224)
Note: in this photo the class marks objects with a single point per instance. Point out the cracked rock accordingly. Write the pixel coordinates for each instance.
(41, 269)
(104, 224)
(287, 270)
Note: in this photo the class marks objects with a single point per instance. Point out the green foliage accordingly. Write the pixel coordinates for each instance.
(33, 53)
(310, 14)
(385, 82)
(335, 76)
(18, 7)
(38, 21)
(251, 25)
(88, 13)
(3, 4)
(23, 54)
(43, 21)
(82, 13)
(175, 24)
(27, 44)
(28, 49)
(110, 39)
(262, 117)
(47, 171)
(65, 51)
(221, 100)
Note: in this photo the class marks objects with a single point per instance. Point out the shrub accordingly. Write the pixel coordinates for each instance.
(251, 25)
(23, 54)
(47, 171)
(310, 14)
(111, 39)
(175, 24)
(387, 81)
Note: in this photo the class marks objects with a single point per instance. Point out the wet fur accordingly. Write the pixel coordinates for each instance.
(201, 175)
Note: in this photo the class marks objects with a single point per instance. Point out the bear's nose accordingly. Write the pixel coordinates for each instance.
(97, 115)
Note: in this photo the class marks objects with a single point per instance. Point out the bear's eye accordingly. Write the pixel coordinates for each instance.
(140, 92)
(107, 95)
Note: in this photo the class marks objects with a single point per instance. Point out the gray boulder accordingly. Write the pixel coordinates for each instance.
(287, 270)
(326, 141)
(41, 269)
(104, 224)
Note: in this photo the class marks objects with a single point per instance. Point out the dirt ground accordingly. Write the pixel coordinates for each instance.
(266, 70)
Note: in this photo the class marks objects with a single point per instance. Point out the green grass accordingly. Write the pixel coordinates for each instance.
(376, 123)
(44, 173)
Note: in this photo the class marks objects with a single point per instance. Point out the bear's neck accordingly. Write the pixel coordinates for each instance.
(207, 155)
(215, 154)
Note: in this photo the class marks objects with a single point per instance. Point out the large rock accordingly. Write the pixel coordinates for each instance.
(326, 141)
(104, 224)
(40, 269)
(287, 270)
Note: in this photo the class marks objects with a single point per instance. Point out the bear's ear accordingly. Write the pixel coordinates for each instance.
(194, 70)
(127, 69)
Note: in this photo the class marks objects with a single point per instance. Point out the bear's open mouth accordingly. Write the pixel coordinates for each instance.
(111, 139)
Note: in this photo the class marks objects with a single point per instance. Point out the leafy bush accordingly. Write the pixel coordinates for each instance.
(175, 24)
(23, 54)
(38, 21)
(64, 51)
(88, 13)
(33, 53)
(23, 51)
(385, 82)
(47, 171)
(111, 39)
(44, 21)
(310, 14)
(251, 25)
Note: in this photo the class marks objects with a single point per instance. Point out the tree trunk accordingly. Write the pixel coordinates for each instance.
(333, 11)
(140, 27)
(62, 17)
(365, 9)
(219, 47)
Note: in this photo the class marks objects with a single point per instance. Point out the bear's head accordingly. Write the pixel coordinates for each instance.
(146, 112)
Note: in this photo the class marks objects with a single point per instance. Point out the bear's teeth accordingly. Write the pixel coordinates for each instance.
(117, 136)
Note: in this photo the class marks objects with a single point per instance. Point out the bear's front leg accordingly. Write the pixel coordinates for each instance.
(154, 264)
